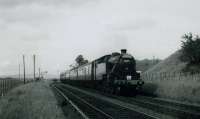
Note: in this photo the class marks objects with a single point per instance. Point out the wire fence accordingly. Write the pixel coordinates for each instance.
(6, 84)
(171, 76)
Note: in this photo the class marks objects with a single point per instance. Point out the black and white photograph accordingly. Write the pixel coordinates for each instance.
(99, 59)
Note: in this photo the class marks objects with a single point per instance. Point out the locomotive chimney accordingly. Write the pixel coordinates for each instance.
(123, 51)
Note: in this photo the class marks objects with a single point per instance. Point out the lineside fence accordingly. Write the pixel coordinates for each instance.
(171, 76)
(6, 84)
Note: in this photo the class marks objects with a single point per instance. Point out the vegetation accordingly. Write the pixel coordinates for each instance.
(169, 65)
(31, 101)
(181, 90)
(191, 49)
(80, 60)
(7, 84)
(177, 76)
(145, 64)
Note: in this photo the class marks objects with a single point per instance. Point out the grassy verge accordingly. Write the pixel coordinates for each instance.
(181, 90)
(7, 84)
(31, 101)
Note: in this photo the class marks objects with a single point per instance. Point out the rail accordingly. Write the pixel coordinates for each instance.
(115, 109)
(78, 103)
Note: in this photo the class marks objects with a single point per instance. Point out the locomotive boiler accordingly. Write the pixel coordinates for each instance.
(114, 73)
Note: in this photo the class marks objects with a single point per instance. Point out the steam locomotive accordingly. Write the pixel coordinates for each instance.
(114, 73)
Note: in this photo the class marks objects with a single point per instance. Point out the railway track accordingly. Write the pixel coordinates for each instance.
(176, 109)
(169, 108)
(90, 112)
(172, 108)
(91, 107)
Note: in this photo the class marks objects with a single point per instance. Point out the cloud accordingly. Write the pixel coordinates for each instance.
(58, 30)
(28, 14)
(133, 25)
(14, 3)
(5, 63)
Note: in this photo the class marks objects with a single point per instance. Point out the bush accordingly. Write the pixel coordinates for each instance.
(190, 49)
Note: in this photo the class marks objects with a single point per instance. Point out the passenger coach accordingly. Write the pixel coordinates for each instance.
(115, 73)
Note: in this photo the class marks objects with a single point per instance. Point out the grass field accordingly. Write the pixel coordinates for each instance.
(178, 88)
(30, 101)
(7, 84)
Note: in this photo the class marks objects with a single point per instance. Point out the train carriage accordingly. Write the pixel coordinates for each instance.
(115, 73)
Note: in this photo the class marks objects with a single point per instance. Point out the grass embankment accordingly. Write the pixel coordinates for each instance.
(180, 90)
(170, 64)
(31, 101)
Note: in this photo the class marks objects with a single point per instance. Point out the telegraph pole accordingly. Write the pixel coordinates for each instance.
(19, 72)
(24, 69)
(153, 60)
(39, 73)
(34, 67)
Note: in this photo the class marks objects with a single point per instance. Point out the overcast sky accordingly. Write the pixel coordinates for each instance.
(58, 30)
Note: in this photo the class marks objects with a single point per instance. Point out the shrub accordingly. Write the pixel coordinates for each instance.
(190, 49)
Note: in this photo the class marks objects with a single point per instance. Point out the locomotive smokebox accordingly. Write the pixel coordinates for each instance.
(123, 51)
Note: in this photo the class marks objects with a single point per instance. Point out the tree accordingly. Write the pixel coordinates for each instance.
(80, 60)
(190, 49)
